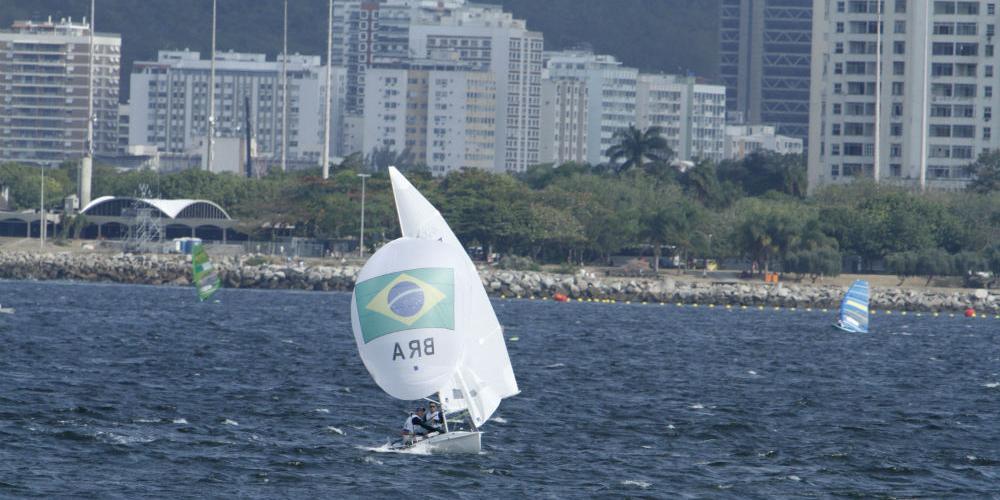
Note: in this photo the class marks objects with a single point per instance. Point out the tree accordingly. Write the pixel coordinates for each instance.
(633, 147)
(902, 264)
(986, 172)
(933, 262)
(816, 263)
(383, 157)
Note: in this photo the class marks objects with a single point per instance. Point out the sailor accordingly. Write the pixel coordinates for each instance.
(416, 425)
(434, 415)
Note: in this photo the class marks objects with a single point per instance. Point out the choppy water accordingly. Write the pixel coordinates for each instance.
(121, 391)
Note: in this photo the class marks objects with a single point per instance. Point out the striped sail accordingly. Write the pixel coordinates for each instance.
(854, 309)
(206, 279)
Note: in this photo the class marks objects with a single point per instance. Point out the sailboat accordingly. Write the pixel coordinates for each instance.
(425, 327)
(853, 315)
(206, 279)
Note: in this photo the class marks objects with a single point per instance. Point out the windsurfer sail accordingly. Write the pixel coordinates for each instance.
(853, 315)
(206, 279)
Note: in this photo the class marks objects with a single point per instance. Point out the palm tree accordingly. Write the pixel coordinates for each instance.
(383, 157)
(635, 146)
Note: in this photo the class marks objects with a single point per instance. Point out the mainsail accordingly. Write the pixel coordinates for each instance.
(206, 279)
(484, 375)
(854, 308)
(422, 320)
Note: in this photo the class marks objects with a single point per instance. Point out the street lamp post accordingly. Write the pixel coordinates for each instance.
(361, 246)
(41, 215)
(705, 271)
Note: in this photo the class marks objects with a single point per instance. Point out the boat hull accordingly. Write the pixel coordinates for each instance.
(449, 443)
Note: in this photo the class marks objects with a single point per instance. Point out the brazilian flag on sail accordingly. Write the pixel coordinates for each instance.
(407, 300)
(206, 279)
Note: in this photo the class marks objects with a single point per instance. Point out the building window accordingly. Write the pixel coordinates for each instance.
(987, 133)
(897, 88)
(836, 129)
(896, 129)
(840, 27)
(898, 68)
(839, 48)
(895, 170)
(837, 108)
(900, 6)
(900, 27)
(899, 48)
(838, 68)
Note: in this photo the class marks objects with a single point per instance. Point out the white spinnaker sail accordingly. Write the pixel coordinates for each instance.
(484, 375)
(406, 314)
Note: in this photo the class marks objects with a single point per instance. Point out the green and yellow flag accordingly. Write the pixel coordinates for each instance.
(407, 300)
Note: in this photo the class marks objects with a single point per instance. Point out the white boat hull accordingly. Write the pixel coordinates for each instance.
(449, 443)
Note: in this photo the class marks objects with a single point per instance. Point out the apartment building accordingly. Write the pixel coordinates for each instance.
(44, 94)
(612, 86)
(437, 113)
(565, 114)
(692, 114)
(169, 102)
(902, 91)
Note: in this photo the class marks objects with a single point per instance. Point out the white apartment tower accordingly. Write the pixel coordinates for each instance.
(370, 32)
(691, 114)
(492, 40)
(565, 112)
(169, 96)
(44, 71)
(902, 91)
(612, 87)
(439, 115)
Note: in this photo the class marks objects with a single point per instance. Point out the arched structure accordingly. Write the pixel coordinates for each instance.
(179, 218)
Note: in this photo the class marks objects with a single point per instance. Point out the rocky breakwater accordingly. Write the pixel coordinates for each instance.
(258, 272)
(142, 269)
(740, 293)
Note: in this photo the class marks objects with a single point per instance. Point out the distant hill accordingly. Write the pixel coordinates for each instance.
(674, 36)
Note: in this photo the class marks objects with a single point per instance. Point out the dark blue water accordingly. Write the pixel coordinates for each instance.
(122, 391)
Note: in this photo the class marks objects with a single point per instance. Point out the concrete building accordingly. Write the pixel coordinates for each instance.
(369, 32)
(911, 103)
(612, 87)
(441, 114)
(765, 48)
(565, 113)
(691, 114)
(492, 40)
(169, 102)
(44, 73)
(743, 140)
(377, 33)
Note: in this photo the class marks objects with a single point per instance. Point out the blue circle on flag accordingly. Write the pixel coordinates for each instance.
(406, 299)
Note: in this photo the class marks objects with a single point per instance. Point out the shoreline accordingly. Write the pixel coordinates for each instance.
(253, 272)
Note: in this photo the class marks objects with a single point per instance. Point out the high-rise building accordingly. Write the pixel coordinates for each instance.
(378, 32)
(437, 114)
(765, 49)
(44, 73)
(902, 91)
(565, 106)
(369, 32)
(691, 114)
(169, 102)
(612, 90)
(492, 40)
